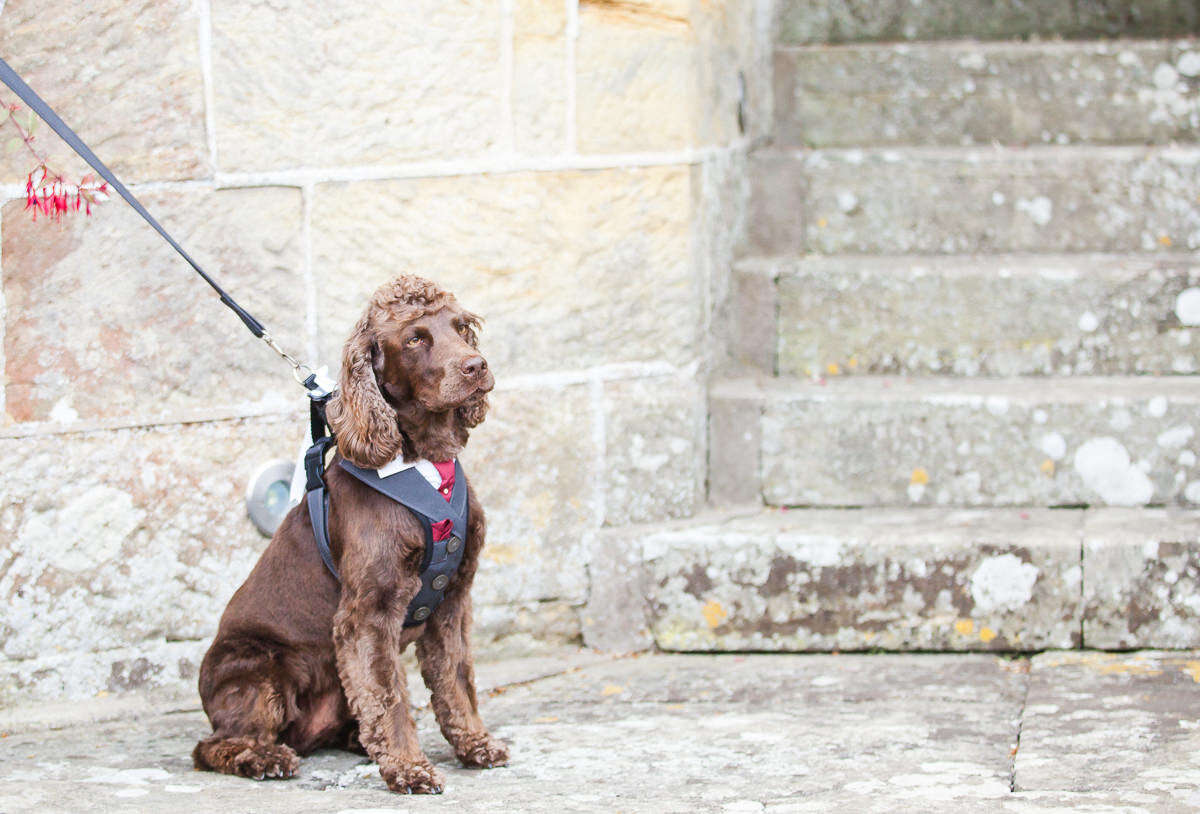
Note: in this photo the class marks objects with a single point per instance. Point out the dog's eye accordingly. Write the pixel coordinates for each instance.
(412, 342)
(464, 330)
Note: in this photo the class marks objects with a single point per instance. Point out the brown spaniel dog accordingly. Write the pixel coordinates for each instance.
(301, 660)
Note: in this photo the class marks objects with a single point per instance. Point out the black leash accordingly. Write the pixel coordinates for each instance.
(47, 114)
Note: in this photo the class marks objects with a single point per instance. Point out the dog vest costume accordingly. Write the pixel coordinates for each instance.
(441, 509)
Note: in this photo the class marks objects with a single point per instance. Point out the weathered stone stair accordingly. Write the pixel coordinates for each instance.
(961, 399)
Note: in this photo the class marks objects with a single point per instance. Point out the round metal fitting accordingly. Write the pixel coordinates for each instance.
(422, 613)
(453, 544)
(440, 582)
(268, 495)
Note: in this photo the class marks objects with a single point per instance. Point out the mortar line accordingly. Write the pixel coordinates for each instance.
(493, 165)
(613, 372)
(308, 273)
(763, 60)
(572, 39)
(486, 165)
(16, 192)
(1182, 153)
(279, 408)
(204, 12)
(507, 69)
(40, 429)
(599, 446)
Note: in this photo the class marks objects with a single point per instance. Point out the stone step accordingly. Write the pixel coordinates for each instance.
(962, 93)
(896, 579)
(969, 315)
(874, 441)
(805, 21)
(940, 200)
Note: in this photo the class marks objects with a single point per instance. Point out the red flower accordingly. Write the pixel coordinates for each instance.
(51, 193)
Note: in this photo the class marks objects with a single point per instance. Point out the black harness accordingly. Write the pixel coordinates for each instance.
(408, 488)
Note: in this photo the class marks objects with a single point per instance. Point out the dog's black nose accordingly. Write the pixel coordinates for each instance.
(473, 366)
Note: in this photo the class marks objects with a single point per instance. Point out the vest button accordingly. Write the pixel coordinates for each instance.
(453, 544)
(421, 613)
(440, 582)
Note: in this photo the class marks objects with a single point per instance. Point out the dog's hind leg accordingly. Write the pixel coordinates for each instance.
(247, 718)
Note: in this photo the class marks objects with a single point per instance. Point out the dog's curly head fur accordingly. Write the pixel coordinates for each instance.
(412, 379)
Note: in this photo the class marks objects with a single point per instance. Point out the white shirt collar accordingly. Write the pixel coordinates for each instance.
(426, 468)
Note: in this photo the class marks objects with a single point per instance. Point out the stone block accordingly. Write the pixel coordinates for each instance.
(874, 441)
(730, 74)
(570, 270)
(937, 201)
(122, 548)
(666, 75)
(1005, 315)
(1101, 722)
(635, 84)
(1143, 579)
(719, 204)
(83, 674)
(614, 618)
(304, 84)
(857, 580)
(777, 205)
(654, 448)
(859, 20)
(523, 629)
(125, 76)
(755, 317)
(983, 93)
(734, 451)
(531, 464)
(540, 77)
(104, 320)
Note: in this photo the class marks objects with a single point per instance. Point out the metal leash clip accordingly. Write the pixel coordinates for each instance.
(300, 372)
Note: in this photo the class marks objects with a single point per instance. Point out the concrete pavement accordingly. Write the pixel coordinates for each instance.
(1088, 731)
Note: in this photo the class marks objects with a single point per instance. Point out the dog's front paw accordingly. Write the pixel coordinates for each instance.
(412, 778)
(263, 761)
(487, 753)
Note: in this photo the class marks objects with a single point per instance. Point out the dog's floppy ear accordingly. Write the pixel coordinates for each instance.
(366, 428)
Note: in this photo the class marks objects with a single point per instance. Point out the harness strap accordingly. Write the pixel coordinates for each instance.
(315, 494)
(442, 557)
(317, 498)
(409, 488)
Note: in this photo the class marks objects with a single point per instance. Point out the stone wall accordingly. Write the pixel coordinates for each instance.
(572, 170)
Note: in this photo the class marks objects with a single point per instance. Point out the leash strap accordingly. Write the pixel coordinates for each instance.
(47, 114)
